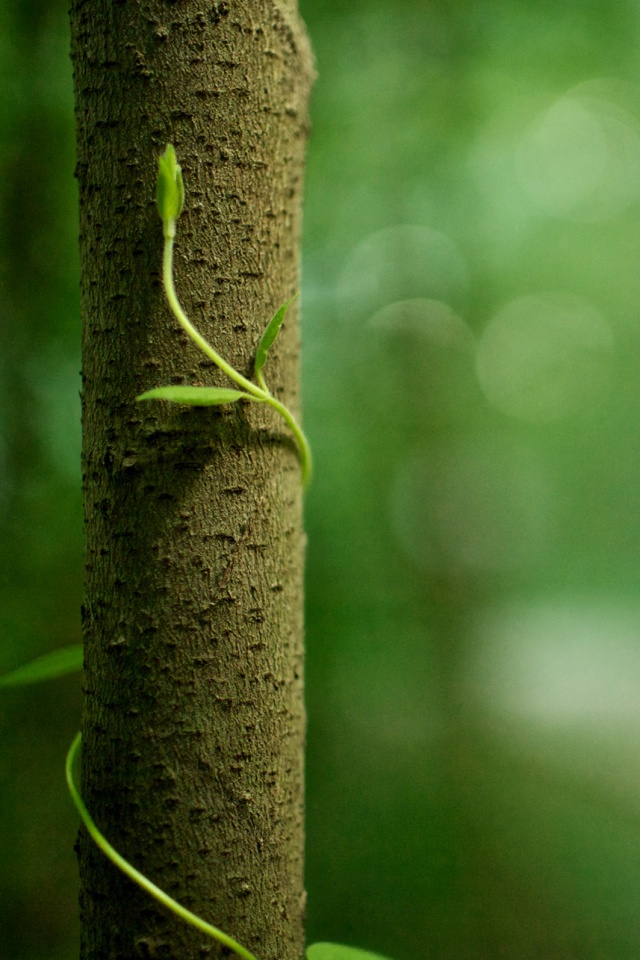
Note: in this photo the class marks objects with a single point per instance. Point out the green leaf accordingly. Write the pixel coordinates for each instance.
(270, 334)
(195, 396)
(169, 186)
(337, 951)
(51, 665)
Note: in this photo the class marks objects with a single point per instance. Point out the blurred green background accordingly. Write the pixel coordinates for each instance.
(471, 370)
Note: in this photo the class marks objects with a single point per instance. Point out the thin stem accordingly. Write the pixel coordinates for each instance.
(257, 393)
(185, 323)
(134, 874)
(306, 462)
(261, 381)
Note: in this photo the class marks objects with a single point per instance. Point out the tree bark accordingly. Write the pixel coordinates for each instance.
(193, 723)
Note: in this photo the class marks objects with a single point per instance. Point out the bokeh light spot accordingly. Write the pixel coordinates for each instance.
(571, 660)
(402, 262)
(545, 356)
(430, 352)
(429, 320)
(580, 159)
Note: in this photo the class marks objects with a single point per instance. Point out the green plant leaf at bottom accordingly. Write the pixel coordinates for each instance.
(47, 667)
(337, 951)
(195, 396)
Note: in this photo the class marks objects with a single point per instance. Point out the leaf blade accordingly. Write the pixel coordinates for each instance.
(58, 663)
(195, 396)
(271, 332)
(338, 951)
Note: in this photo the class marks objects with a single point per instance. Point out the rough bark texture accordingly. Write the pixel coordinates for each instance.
(193, 723)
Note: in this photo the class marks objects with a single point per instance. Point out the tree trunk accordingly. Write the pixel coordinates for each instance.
(193, 724)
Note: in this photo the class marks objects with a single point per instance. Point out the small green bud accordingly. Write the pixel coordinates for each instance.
(169, 187)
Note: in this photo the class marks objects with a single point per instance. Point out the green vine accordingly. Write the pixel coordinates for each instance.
(170, 203)
(135, 875)
(69, 660)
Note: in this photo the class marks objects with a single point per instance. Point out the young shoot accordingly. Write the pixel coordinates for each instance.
(170, 202)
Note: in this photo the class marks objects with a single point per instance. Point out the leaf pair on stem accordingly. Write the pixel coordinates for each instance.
(170, 202)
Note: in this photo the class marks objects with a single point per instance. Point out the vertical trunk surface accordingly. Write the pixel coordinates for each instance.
(193, 723)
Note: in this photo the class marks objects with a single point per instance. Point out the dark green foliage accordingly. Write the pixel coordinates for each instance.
(49, 666)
